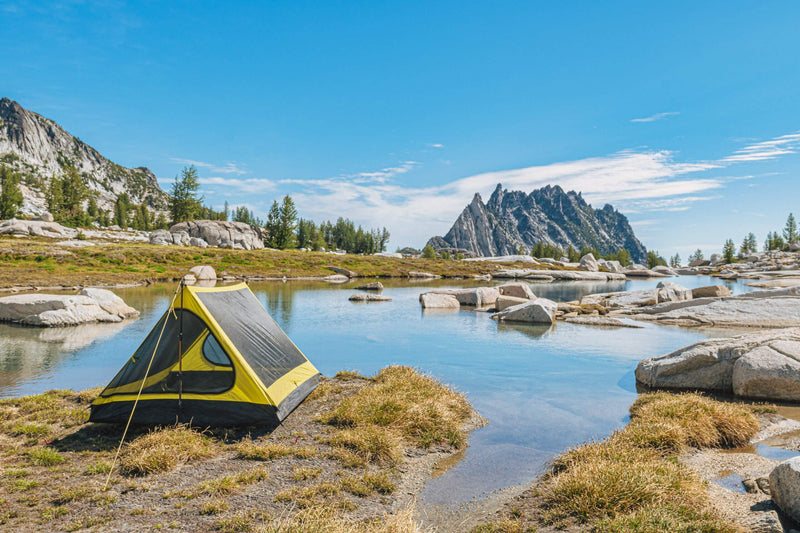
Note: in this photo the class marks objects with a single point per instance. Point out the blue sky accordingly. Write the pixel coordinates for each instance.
(684, 115)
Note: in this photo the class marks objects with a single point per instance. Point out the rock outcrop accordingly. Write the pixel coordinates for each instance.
(478, 297)
(216, 233)
(38, 148)
(54, 310)
(36, 228)
(511, 219)
(203, 273)
(764, 365)
(772, 308)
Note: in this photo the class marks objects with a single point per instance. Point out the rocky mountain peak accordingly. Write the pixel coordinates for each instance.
(513, 218)
(39, 148)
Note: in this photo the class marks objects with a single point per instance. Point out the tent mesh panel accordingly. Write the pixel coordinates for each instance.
(167, 354)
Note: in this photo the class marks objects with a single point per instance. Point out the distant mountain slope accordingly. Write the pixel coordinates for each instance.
(37, 147)
(513, 218)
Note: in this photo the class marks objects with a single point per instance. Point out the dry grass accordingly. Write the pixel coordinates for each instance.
(227, 484)
(631, 481)
(693, 420)
(327, 519)
(418, 407)
(164, 449)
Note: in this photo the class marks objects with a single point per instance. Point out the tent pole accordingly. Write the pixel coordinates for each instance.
(180, 358)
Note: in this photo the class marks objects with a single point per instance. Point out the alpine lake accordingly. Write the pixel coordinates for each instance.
(542, 389)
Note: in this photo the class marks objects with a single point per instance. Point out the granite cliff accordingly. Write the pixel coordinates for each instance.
(38, 148)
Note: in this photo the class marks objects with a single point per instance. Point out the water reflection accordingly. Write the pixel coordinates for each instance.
(530, 330)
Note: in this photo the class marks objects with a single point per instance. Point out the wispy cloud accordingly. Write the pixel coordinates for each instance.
(383, 175)
(680, 203)
(249, 185)
(435, 145)
(227, 168)
(785, 144)
(657, 116)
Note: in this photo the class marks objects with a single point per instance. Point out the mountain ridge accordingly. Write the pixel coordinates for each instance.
(38, 148)
(513, 218)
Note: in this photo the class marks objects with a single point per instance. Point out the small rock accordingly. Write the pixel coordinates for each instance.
(194, 241)
(763, 484)
(374, 286)
(424, 275)
(203, 272)
(711, 291)
(360, 297)
(538, 311)
(750, 485)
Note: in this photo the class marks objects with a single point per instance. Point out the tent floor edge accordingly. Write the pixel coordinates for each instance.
(195, 412)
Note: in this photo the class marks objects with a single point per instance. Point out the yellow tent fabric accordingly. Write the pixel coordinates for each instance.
(221, 360)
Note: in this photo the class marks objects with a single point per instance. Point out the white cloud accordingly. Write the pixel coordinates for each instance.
(435, 145)
(228, 168)
(657, 116)
(783, 145)
(680, 203)
(249, 185)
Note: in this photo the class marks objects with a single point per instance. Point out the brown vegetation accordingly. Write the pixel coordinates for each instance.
(309, 474)
(632, 481)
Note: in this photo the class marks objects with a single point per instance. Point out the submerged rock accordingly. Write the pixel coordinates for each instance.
(764, 365)
(54, 310)
(538, 311)
(374, 286)
(361, 297)
(601, 321)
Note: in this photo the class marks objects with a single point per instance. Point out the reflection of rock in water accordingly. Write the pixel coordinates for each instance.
(533, 331)
(566, 291)
(26, 352)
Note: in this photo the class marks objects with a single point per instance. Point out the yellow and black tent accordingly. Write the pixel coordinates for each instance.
(215, 358)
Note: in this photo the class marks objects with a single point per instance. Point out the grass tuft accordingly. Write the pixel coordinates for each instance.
(44, 457)
(163, 449)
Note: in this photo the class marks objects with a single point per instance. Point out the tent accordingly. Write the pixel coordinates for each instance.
(218, 358)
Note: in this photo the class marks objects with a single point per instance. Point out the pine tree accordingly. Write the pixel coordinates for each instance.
(10, 195)
(697, 255)
(185, 205)
(790, 230)
(729, 251)
(287, 222)
(428, 252)
(675, 261)
(273, 225)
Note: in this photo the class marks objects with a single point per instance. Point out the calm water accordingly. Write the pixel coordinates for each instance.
(542, 389)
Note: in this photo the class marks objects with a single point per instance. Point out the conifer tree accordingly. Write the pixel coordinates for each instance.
(10, 195)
